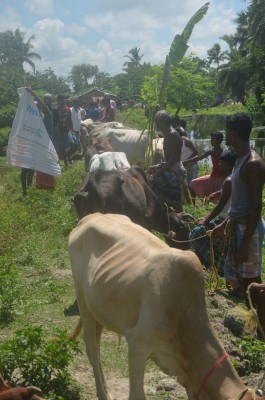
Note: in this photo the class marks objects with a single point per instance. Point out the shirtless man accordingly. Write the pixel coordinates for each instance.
(244, 223)
(167, 178)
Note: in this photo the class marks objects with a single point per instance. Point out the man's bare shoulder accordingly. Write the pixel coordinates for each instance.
(255, 166)
(255, 160)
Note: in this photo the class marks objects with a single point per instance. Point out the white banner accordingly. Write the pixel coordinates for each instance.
(29, 145)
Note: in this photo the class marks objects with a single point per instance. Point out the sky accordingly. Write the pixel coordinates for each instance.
(101, 32)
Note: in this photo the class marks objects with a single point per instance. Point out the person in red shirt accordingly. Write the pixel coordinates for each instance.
(64, 127)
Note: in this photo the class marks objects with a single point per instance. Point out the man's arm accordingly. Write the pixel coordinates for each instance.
(225, 195)
(198, 158)
(38, 99)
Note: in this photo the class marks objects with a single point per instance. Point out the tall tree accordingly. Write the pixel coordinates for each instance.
(103, 81)
(256, 20)
(82, 76)
(15, 51)
(134, 58)
(48, 81)
(216, 55)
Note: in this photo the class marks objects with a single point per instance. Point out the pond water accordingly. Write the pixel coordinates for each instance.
(202, 125)
(256, 144)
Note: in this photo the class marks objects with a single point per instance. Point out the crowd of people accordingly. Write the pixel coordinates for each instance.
(63, 124)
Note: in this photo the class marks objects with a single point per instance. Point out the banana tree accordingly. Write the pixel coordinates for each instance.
(177, 51)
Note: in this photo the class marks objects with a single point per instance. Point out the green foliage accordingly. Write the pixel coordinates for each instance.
(9, 293)
(4, 133)
(47, 81)
(253, 350)
(82, 75)
(151, 87)
(129, 84)
(29, 359)
(7, 115)
(255, 110)
(189, 88)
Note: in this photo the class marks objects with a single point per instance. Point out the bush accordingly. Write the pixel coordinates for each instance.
(9, 292)
(7, 115)
(28, 359)
(4, 133)
(255, 111)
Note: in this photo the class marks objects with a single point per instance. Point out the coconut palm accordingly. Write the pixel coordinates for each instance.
(234, 74)
(134, 58)
(256, 19)
(15, 51)
(242, 32)
(216, 55)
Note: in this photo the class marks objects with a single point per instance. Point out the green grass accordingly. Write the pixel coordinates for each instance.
(133, 118)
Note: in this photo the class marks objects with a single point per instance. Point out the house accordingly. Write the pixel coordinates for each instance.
(92, 95)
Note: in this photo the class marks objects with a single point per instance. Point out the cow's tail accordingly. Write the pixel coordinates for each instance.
(77, 330)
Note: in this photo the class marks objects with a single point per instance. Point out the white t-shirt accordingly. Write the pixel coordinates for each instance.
(76, 118)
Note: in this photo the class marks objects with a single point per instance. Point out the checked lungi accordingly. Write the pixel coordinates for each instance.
(168, 187)
(251, 268)
(202, 246)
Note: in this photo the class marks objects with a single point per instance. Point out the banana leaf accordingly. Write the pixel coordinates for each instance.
(164, 82)
(179, 45)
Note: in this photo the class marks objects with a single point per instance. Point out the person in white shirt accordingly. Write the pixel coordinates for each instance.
(76, 121)
(113, 104)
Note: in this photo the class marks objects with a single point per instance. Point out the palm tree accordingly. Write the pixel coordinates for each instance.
(216, 55)
(256, 19)
(234, 74)
(15, 51)
(242, 32)
(134, 58)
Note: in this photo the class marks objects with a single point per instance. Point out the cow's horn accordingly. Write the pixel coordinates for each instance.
(34, 390)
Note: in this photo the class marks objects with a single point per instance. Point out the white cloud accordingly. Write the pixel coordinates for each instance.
(9, 19)
(40, 7)
(102, 33)
(100, 22)
(76, 30)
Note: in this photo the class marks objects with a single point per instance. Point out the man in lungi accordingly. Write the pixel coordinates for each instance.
(167, 178)
(214, 218)
(244, 227)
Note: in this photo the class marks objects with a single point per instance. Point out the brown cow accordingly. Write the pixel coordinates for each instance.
(127, 192)
(18, 393)
(130, 282)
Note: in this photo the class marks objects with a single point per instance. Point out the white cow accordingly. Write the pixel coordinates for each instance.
(129, 141)
(130, 282)
(109, 161)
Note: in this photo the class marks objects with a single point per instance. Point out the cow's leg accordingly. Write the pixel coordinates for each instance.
(92, 333)
(138, 353)
(99, 329)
